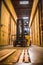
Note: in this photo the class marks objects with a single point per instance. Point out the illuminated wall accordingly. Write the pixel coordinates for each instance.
(34, 24)
(9, 4)
(35, 30)
(8, 24)
(13, 30)
(5, 19)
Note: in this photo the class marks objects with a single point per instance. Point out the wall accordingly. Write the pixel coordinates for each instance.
(9, 4)
(8, 24)
(5, 19)
(41, 21)
(42, 26)
(0, 21)
(34, 24)
(13, 31)
(33, 10)
(35, 30)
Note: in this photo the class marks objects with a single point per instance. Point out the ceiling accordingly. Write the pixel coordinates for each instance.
(22, 10)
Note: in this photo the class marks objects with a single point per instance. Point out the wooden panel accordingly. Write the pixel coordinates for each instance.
(35, 29)
(6, 53)
(21, 57)
(26, 57)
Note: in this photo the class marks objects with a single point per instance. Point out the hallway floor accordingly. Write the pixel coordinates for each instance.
(22, 55)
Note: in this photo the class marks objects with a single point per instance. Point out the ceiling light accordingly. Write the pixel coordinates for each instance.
(25, 17)
(24, 2)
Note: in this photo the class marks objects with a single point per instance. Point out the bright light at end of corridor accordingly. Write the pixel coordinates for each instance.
(25, 17)
(24, 2)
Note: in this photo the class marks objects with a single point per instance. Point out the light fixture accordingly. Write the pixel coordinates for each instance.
(27, 22)
(25, 17)
(24, 2)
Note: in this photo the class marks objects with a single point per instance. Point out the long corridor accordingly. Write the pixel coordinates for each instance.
(21, 32)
